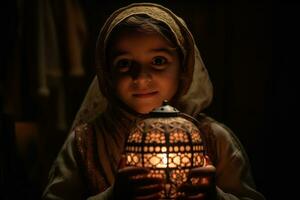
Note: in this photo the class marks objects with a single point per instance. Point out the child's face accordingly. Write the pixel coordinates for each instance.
(146, 69)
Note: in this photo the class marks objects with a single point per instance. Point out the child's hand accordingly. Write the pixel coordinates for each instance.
(201, 185)
(133, 183)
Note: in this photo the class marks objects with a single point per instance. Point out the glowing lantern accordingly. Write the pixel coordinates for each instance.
(168, 143)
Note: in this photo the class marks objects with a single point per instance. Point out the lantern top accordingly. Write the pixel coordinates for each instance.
(164, 111)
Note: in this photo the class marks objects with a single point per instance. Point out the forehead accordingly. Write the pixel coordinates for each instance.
(138, 40)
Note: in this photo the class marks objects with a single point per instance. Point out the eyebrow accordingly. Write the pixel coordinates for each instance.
(169, 50)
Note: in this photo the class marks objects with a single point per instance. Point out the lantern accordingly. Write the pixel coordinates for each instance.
(168, 143)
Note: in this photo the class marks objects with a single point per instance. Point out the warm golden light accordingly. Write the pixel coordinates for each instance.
(167, 143)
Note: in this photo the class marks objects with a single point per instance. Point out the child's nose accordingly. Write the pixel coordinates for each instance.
(142, 76)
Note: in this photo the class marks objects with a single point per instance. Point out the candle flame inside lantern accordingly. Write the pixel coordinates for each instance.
(163, 160)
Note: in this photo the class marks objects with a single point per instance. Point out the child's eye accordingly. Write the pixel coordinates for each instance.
(159, 63)
(159, 60)
(123, 65)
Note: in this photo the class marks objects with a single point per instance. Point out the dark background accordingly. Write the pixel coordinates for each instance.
(247, 48)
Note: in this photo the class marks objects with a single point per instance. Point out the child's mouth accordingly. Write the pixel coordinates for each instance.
(145, 95)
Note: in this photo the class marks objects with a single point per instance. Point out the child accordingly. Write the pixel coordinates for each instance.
(145, 54)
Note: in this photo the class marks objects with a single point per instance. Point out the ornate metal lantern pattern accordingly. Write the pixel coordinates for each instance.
(167, 143)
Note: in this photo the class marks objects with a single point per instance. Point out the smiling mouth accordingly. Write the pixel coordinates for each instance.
(145, 95)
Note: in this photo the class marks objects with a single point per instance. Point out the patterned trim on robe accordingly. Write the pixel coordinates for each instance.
(85, 141)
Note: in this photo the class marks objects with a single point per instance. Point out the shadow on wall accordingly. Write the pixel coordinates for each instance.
(18, 173)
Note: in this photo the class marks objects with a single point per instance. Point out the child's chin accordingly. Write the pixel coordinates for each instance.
(144, 110)
(145, 107)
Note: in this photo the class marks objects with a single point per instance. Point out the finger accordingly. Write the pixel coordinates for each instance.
(207, 160)
(148, 190)
(199, 196)
(133, 171)
(144, 180)
(122, 162)
(208, 181)
(208, 170)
